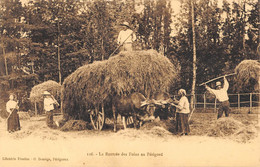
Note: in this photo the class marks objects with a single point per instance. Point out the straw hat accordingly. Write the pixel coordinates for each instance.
(218, 83)
(46, 93)
(125, 24)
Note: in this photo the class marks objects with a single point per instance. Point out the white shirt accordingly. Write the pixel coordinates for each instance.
(48, 104)
(184, 105)
(124, 34)
(11, 104)
(221, 94)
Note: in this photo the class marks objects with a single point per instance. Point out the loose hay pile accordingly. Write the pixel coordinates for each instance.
(233, 129)
(158, 131)
(138, 71)
(248, 75)
(50, 86)
(75, 125)
(155, 131)
(168, 125)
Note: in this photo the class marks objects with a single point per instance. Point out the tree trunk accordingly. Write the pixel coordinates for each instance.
(6, 69)
(194, 54)
(59, 68)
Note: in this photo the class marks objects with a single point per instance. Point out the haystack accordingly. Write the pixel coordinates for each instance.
(50, 86)
(248, 75)
(138, 71)
(36, 96)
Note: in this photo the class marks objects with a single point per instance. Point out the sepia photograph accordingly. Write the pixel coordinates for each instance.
(149, 83)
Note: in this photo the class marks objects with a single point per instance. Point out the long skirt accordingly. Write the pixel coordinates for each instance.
(13, 122)
(182, 123)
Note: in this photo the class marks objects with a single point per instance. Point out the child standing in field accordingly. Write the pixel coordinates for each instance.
(222, 96)
(182, 114)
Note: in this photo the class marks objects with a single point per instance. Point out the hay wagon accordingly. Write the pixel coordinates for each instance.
(91, 88)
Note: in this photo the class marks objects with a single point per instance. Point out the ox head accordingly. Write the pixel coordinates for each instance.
(161, 108)
(148, 105)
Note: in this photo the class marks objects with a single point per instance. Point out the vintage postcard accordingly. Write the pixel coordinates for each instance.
(129, 83)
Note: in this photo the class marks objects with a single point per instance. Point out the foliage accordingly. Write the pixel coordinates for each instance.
(86, 31)
(220, 38)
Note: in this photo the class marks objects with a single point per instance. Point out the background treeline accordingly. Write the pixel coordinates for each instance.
(49, 39)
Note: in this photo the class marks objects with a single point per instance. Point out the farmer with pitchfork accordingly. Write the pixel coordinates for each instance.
(222, 96)
(126, 37)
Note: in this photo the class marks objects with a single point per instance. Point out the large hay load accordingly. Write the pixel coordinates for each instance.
(248, 76)
(36, 93)
(95, 85)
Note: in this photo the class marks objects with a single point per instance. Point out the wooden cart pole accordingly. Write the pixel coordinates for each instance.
(204, 103)
(250, 109)
(238, 101)
(215, 106)
(35, 108)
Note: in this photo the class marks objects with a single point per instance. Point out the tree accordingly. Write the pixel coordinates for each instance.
(194, 54)
(11, 32)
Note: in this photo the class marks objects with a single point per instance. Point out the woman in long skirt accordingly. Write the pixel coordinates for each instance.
(182, 116)
(13, 122)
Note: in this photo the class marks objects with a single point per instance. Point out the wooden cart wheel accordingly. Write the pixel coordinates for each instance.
(97, 118)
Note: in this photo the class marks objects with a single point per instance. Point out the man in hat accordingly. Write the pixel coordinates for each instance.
(222, 96)
(49, 102)
(126, 37)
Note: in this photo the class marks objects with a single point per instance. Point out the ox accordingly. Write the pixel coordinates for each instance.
(163, 105)
(134, 105)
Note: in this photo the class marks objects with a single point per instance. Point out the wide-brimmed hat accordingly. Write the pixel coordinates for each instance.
(46, 93)
(218, 83)
(125, 24)
(182, 92)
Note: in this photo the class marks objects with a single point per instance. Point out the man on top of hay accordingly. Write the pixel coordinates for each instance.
(13, 122)
(49, 102)
(126, 37)
(222, 96)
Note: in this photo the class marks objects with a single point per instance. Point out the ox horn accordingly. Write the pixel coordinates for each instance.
(157, 102)
(144, 103)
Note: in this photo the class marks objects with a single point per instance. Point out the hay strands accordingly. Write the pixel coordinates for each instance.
(204, 83)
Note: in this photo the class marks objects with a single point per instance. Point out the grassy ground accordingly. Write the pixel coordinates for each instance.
(225, 142)
(201, 124)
